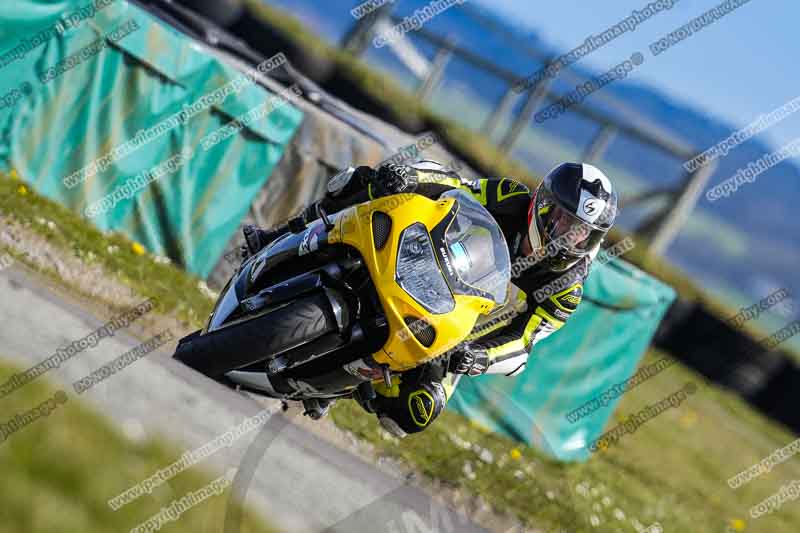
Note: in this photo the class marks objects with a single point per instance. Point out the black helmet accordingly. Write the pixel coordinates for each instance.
(570, 213)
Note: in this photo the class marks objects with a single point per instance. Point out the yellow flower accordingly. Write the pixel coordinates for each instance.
(22, 190)
(516, 454)
(737, 524)
(689, 419)
(13, 174)
(137, 248)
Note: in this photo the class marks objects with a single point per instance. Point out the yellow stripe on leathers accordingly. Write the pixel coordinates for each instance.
(501, 196)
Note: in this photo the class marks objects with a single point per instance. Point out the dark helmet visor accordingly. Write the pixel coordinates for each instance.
(558, 225)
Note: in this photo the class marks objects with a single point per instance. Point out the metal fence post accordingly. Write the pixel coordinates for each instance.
(534, 99)
(435, 72)
(357, 37)
(500, 110)
(666, 227)
(597, 148)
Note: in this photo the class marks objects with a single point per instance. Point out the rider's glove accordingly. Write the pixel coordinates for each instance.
(392, 179)
(398, 178)
(470, 360)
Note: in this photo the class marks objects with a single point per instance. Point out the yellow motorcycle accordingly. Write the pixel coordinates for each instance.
(328, 309)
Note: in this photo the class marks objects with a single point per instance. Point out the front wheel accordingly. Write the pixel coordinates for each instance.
(262, 337)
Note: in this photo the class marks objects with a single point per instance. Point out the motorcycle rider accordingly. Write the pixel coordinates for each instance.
(553, 234)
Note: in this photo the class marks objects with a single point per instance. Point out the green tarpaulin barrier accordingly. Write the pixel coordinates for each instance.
(598, 347)
(78, 82)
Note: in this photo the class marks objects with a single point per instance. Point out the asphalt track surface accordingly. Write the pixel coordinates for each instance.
(299, 482)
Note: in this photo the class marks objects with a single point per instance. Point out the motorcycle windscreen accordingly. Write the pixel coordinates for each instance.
(478, 248)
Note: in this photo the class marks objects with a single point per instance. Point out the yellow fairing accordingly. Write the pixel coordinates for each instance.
(402, 350)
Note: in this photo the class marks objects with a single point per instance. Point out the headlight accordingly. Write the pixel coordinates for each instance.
(419, 274)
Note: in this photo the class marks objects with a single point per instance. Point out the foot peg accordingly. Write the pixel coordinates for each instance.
(317, 408)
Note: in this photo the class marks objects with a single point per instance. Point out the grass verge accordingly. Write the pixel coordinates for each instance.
(176, 292)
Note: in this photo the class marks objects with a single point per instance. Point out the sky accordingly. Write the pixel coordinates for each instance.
(741, 66)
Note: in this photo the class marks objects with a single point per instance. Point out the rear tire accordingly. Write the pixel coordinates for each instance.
(258, 339)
